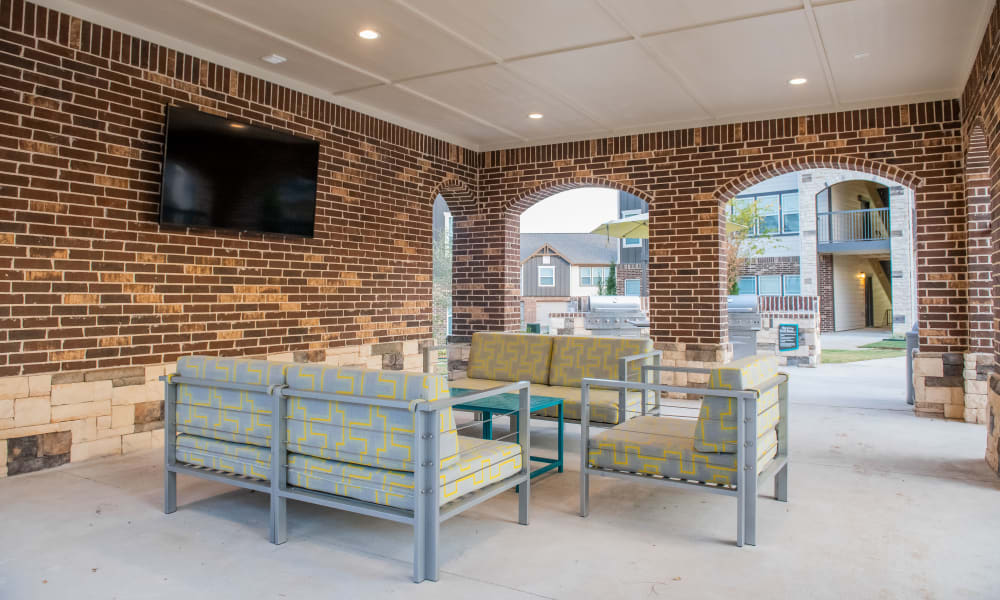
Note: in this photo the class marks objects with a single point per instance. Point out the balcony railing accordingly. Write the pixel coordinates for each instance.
(865, 225)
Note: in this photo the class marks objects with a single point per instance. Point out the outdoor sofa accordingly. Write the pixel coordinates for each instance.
(738, 440)
(555, 366)
(378, 443)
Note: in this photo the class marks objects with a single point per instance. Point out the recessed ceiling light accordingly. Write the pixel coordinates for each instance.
(237, 125)
(535, 116)
(274, 59)
(797, 81)
(861, 55)
(368, 34)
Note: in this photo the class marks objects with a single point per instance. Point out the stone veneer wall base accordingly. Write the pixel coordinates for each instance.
(50, 420)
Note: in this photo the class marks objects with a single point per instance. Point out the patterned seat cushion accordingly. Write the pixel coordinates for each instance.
(716, 430)
(665, 446)
(211, 412)
(368, 435)
(510, 357)
(603, 403)
(577, 357)
(481, 463)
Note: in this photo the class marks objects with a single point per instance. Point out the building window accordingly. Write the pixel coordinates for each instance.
(593, 276)
(793, 285)
(546, 276)
(777, 212)
(769, 285)
(633, 287)
(631, 242)
(747, 285)
(790, 212)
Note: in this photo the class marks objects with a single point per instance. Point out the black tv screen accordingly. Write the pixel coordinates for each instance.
(224, 174)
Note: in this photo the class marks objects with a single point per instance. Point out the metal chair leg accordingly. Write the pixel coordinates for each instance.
(781, 484)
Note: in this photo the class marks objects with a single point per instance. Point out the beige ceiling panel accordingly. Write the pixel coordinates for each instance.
(743, 67)
(187, 22)
(903, 46)
(501, 98)
(409, 46)
(394, 101)
(619, 83)
(512, 28)
(654, 16)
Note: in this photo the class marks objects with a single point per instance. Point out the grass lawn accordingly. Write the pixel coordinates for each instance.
(830, 357)
(889, 344)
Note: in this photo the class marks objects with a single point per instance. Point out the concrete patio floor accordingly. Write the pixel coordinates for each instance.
(882, 505)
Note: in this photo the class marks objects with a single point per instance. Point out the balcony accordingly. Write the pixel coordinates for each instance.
(853, 231)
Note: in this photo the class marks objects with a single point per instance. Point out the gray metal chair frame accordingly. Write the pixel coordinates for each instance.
(427, 515)
(747, 477)
(623, 363)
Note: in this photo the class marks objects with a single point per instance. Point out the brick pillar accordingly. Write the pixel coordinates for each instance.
(825, 291)
(485, 269)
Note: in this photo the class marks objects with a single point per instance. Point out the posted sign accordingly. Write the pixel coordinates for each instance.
(788, 337)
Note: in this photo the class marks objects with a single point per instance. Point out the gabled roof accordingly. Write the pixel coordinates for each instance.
(577, 248)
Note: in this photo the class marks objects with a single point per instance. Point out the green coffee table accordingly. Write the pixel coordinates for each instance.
(510, 404)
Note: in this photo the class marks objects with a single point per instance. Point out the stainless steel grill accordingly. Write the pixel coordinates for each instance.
(744, 323)
(616, 316)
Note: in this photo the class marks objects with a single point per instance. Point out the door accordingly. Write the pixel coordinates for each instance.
(869, 302)
(866, 218)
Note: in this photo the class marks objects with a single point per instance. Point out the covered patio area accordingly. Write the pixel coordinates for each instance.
(221, 372)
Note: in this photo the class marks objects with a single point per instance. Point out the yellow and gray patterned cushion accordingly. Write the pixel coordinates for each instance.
(716, 431)
(242, 459)
(482, 463)
(603, 403)
(665, 446)
(577, 357)
(510, 357)
(208, 411)
(363, 434)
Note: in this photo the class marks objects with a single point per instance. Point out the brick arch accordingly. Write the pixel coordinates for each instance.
(849, 163)
(457, 193)
(978, 181)
(523, 201)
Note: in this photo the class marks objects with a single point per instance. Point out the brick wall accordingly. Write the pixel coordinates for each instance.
(88, 279)
(632, 271)
(981, 138)
(825, 288)
(685, 175)
(771, 265)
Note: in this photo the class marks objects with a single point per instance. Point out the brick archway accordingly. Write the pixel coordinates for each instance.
(522, 202)
(977, 190)
(848, 163)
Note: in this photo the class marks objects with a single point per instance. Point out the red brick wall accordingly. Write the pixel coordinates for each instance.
(625, 271)
(685, 175)
(89, 279)
(981, 109)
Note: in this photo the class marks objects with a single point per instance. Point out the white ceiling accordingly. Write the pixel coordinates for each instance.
(470, 71)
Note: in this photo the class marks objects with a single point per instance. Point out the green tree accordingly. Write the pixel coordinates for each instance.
(743, 239)
(441, 286)
(609, 286)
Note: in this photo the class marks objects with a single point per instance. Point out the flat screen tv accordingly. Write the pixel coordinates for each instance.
(224, 174)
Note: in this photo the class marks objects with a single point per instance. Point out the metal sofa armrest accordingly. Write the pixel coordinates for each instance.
(623, 363)
(428, 363)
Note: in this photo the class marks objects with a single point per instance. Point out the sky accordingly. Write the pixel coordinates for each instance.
(575, 211)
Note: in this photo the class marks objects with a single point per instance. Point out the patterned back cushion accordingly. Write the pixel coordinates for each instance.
(716, 430)
(576, 357)
(211, 412)
(369, 435)
(510, 357)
